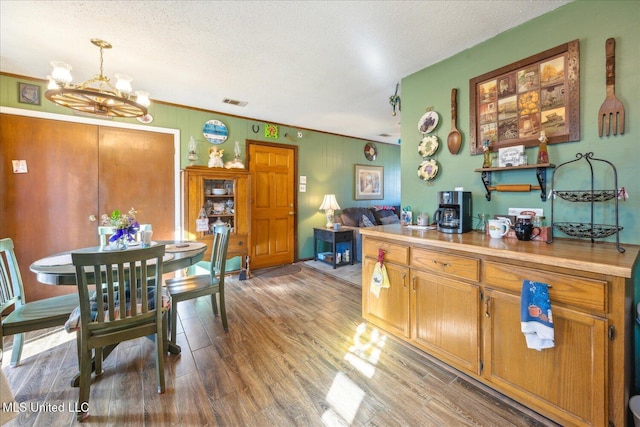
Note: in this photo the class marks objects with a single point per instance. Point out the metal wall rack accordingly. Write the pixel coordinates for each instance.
(586, 230)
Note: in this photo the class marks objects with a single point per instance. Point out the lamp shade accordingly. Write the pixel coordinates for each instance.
(329, 202)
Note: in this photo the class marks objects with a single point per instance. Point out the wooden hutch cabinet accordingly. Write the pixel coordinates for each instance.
(219, 195)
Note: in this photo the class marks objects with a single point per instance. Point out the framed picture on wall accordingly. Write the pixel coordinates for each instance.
(28, 94)
(513, 104)
(369, 182)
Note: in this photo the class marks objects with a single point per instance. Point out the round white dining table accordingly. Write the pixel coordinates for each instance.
(58, 269)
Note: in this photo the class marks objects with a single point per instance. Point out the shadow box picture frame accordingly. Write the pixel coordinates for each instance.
(29, 94)
(369, 182)
(513, 104)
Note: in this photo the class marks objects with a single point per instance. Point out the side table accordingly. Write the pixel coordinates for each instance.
(334, 238)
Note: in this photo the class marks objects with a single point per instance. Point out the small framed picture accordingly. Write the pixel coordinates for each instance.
(369, 182)
(28, 94)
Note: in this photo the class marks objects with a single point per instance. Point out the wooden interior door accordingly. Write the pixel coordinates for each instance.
(136, 170)
(273, 203)
(47, 209)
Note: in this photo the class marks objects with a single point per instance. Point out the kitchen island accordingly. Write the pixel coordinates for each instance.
(457, 297)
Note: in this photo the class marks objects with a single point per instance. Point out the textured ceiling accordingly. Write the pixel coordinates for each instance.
(321, 65)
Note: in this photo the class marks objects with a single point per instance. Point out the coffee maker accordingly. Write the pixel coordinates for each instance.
(454, 212)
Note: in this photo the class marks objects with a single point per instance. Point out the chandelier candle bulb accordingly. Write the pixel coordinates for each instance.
(143, 98)
(61, 73)
(123, 83)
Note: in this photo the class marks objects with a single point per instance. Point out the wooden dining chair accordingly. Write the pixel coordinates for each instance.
(26, 316)
(189, 287)
(111, 313)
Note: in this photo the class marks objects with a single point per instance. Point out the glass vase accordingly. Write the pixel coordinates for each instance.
(123, 242)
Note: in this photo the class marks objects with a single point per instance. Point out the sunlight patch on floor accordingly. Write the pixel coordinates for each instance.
(38, 344)
(344, 396)
(364, 354)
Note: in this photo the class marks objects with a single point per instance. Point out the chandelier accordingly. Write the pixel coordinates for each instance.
(96, 95)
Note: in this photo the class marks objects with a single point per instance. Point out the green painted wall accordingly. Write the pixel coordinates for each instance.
(592, 22)
(326, 160)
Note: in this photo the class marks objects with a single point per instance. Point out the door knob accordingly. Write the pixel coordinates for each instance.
(92, 218)
(292, 213)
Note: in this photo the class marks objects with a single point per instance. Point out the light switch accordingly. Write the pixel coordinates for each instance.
(19, 166)
(303, 179)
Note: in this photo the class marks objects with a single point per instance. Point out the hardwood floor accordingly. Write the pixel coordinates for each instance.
(297, 353)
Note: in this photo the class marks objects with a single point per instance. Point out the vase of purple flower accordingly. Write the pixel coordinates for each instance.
(125, 226)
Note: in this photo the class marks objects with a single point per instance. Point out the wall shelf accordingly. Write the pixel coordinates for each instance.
(541, 176)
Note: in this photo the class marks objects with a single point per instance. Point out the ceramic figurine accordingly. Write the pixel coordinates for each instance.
(543, 154)
(487, 159)
(215, 157)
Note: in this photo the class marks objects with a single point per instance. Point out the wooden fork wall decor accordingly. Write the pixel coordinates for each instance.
(611, 113)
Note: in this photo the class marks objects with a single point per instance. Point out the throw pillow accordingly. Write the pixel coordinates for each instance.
(351, 217)
(365, 222)
(383, 213)
(389, 220)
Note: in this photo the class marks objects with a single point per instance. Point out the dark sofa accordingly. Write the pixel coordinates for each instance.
(366, 217)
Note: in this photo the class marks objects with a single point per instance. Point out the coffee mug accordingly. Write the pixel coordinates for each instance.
(497, 228)
(423, 219)
(525, 231)
(504, 219)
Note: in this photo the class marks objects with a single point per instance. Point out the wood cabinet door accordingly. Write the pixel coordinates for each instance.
(569, 380)
(445, 319)
(390, 310)
(47, 210)
(136, 170)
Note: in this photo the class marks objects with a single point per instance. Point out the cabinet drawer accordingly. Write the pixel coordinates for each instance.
(581, 292)
(398, 254)
(238, 245)
(453, 265)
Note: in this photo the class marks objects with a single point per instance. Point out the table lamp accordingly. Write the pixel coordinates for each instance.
(329, 204)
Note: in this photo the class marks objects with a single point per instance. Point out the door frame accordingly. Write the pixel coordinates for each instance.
(249, 142)
(101, 122)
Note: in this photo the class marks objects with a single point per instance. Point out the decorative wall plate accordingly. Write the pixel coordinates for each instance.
(215, 131)
(428, 146)
(428, 122)
(370, 151)
(146, 119)
(428, 170)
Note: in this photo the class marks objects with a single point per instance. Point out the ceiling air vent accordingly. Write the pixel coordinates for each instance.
(234, 102)
(384, 135)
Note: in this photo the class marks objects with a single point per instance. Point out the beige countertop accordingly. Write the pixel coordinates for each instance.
(599, 257)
